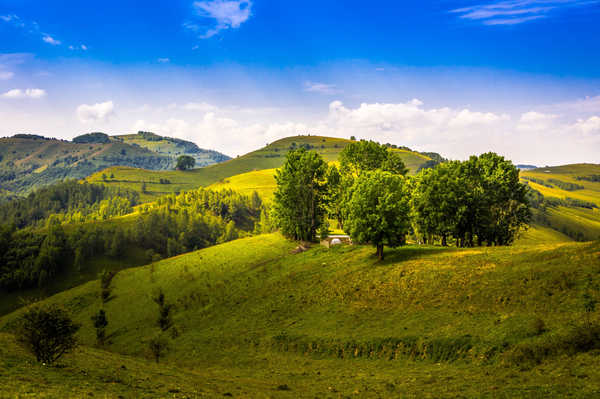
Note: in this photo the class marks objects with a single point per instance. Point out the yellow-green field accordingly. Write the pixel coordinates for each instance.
(252, 319)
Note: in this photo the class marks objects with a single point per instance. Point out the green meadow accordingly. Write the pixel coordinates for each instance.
(254, 319)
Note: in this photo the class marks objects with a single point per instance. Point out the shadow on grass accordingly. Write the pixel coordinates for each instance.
(397, 255)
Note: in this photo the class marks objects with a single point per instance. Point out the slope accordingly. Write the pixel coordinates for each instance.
(270, 157)
(173, 147)
(571, 199)
(483, 314)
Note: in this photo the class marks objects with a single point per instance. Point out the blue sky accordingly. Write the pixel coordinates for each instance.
(519, 77)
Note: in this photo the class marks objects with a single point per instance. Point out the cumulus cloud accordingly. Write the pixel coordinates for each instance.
(99, 112)
(321, 88)
(26, 93)
(50, 40)
(199, 107)
(223, 14)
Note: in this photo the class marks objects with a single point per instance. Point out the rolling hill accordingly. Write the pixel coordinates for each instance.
(173, 147)
(254, 319)
(270, 157)
(30, 161)
(572, 199)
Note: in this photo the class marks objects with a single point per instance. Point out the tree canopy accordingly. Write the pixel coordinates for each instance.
(378, 210)
(185, 162)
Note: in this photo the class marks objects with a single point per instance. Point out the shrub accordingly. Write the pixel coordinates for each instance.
(164, 311)
(48, 333)
(100, 323)
(158, 346)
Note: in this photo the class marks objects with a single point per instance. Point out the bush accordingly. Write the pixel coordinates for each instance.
(48, 333)
(158, 346)
(164, 311)
(100, 324)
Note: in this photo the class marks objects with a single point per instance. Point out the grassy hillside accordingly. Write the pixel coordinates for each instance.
(27, 163)
(30, 161)
(270, 157)
(173, 147)
(578, 213)
(250, 317)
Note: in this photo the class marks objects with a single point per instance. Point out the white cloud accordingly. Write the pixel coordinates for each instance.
(200, 107)
(50, 40)
(322, 88)
(225, 14)
(99, 112)
(590, 126)
(27, 93)
(513, 12)
(6, 75)
(164, 60)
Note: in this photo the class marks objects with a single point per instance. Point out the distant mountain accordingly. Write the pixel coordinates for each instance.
(173, 147)
(526, 167)
(28, 161)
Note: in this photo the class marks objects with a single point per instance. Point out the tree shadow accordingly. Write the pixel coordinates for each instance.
(402, 254)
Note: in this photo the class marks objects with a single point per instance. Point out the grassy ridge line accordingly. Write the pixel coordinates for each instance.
(270, 157)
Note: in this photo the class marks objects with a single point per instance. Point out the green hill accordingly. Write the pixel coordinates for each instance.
(31, 161)
(253, 319)
(173, 147)
(270, 157)
(572, 199)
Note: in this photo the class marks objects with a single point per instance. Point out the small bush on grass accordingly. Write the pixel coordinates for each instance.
(47, 332)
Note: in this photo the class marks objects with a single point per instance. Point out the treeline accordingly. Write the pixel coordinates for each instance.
(590, 178)
(476, 202)
(174, 225)
(73, 201)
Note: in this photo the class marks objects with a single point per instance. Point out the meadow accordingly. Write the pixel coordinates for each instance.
(254, 319)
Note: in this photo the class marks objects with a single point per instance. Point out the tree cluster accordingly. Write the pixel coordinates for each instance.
(470, 203)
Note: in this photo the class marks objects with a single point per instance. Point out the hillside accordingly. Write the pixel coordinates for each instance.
(572, 199)
(250, 316)
(270, 157)
(30, 161)
(173, 147)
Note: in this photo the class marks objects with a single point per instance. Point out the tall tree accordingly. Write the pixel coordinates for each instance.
(300, 198)
(378, 210)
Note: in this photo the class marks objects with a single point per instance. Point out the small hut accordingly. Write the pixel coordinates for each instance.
(336, 240)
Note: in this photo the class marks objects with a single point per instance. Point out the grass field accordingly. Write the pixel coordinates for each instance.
(270, 157)
(250, 317)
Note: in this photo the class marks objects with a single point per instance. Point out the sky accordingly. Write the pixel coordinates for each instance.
(517, 77)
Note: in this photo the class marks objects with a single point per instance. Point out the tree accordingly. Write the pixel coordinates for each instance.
(164, 311)
(437, 201)
(362, 156)
(100, 323)
(300, 197)
(47, 332)
(353, 138)
(378, 210)
(185, 162)
(158, 346)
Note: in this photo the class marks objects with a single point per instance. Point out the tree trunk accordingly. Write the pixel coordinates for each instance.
(380, 251)
(444, 242)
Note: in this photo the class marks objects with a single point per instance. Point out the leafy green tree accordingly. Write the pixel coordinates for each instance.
(300, 197)
(52, 252)
(185, 162)
(436, 201)
(100, 323)
(47, 332)
(378, 210)
(362, 156)
(394, 164)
